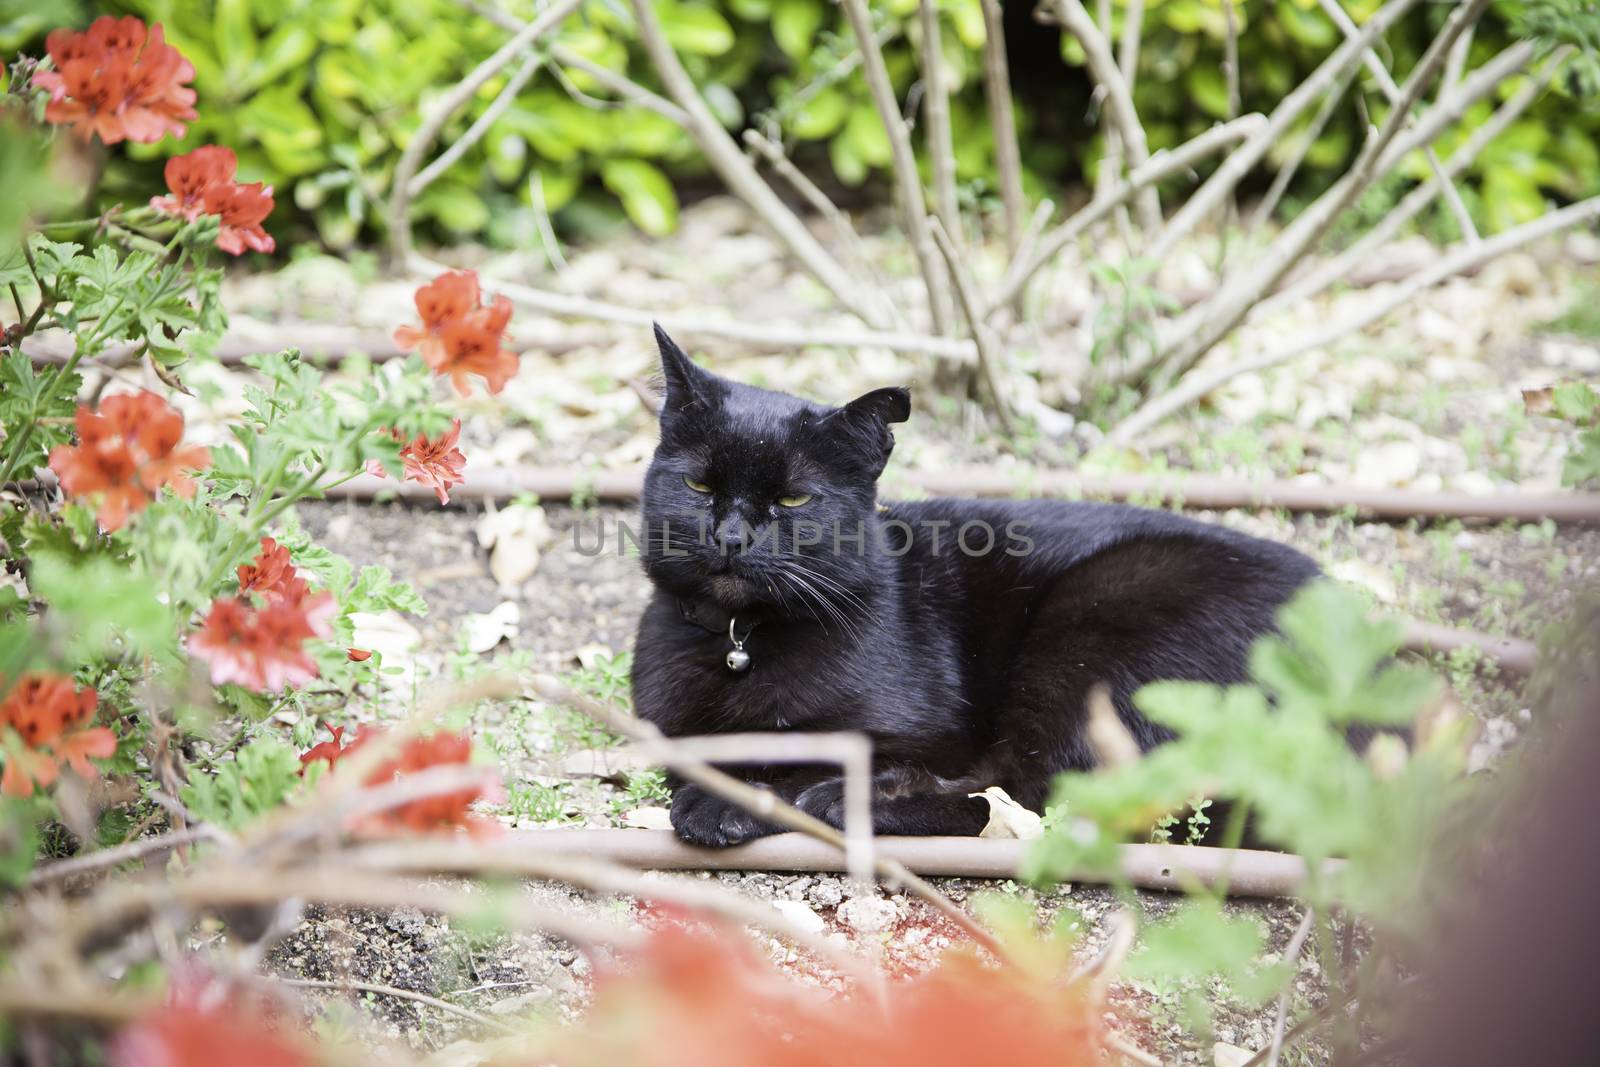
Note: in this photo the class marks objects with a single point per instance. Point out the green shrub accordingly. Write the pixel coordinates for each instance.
(320, 97)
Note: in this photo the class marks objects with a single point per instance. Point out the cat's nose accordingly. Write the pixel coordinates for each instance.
(730, 534)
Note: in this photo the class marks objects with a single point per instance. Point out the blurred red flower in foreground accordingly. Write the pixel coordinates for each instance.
(118, 80)
(444, 811)
(202, 1024)
(262, 648)
(436, 463)
(459, 337)
(126, 451)
(202, 184)
(51, 716)
(674, 1007)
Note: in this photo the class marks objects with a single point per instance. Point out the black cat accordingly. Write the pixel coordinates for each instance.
(961, 635)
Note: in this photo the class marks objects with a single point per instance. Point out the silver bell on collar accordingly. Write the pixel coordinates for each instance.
(737, 659)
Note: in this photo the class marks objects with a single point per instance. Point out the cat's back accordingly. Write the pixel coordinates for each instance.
(1032, 536)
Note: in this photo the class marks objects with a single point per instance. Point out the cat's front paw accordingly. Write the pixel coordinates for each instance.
(824, 801)
(700, 818)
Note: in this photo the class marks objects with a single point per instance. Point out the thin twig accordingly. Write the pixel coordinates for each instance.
(1003, 123)
(982, 335)
(511, 857)
(1463, 258)
(480, 126)
(400, 189)
(353, 986)
(1303, 145)
(936, 113)
(111, 857)
(778, 337)
(625, 87)
(1335, 10)
(907, 183)
(779, 161)
(1119, 100)
(1333, 268)
(759, 802)
(1291, 955)
(740, 175)
(1243, 288)
(1161, 165)
(1244, 158)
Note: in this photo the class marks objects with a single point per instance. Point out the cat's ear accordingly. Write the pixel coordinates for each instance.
(864, 422)
(887, 405)
(687, 384)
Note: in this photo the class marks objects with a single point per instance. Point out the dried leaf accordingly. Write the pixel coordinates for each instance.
(514, 535)
(485, 631)
(651, 818)
(1007, 818)
(1113, 743)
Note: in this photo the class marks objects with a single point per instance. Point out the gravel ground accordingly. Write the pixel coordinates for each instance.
(1430, 399)
(1492, 576)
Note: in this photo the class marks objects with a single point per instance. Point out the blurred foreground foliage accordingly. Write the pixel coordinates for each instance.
(320, 97)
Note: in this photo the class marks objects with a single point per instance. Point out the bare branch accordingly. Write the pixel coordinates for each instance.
(756, 801)
(350, 985)
(740, 176)
(1241, 290)
(401, 189)
(126, 853)
(625, 87)
(1336, 267)
(1162, 164)
(777, 337)
(1463, 258)
(936, 113)
(982, 336)
(491, 114)
(997, 94)
(1291, 166)
(1119, 100)
(1291, 955)
(1244, 159)
(1335, 10)
(907, 183)
(1176, 868)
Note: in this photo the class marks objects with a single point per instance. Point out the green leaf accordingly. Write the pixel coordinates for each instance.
(646, 194)
(795, 24)
(695, 29)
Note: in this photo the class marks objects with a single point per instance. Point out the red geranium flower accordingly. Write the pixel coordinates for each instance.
(117, 80)
(203, 1023)
(458, 337)
(202, 184)
(443, 811)
(359, 655)
(126, 451)
(51, 717)
(436, 463)
(262, 648)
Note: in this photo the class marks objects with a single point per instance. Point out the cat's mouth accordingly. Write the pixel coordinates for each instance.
(730, 590)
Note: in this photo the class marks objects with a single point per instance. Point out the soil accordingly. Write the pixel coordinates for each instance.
(1428, 400)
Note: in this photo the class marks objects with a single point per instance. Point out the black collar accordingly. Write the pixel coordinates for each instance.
(714, 618)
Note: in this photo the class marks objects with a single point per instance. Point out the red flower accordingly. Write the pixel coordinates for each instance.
(119, 81)
(442, 811)
(436, 463)
(457, 336)
(263, 648)
(331, 751)
(51, 716)
(359, 655)
(205, 1023)
(125, 452)
(202, 184)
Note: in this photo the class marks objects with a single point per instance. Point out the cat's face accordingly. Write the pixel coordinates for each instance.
(757, 498)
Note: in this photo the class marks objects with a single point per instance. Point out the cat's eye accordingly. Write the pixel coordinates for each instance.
(794, 500)
(699, 487)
